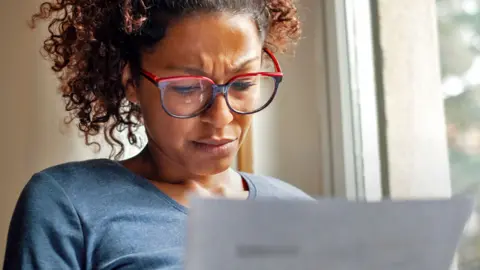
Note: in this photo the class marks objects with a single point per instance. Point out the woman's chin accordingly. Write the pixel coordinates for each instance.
(213, 167)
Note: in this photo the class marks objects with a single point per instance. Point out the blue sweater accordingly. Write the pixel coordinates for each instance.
(98, 215)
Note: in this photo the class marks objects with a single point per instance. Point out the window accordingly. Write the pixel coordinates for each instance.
(459, 39)
(414, 125)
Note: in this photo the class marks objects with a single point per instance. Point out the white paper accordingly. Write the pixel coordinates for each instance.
(326, 235)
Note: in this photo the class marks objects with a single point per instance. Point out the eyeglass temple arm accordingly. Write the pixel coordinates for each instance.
(275, 60)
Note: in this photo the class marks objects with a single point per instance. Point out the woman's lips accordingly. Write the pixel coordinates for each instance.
(217, 147)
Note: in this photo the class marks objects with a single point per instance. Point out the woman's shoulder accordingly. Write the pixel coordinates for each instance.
(84, 169)
(267, 186)
(89, 189)
(79, 177)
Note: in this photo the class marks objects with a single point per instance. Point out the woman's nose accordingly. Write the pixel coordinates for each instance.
(219, 114)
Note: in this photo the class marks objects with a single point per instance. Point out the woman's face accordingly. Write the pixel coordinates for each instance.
(215, 46)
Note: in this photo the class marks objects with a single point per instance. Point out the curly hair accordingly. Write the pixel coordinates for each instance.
(92, 41)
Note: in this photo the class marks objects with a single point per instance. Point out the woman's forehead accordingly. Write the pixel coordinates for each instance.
(209, 37)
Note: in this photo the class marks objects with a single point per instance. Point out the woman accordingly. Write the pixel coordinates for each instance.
(193, 73)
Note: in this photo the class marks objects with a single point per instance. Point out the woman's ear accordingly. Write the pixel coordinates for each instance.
(129, 84)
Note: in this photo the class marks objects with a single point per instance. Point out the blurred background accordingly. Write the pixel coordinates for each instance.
(381, 99)
(459, 37)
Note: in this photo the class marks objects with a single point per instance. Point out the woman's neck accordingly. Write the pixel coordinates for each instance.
(178, 184)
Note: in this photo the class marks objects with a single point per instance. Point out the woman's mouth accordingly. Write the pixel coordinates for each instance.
(217, 146)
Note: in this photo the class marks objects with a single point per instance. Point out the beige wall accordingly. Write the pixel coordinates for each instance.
(31, 113)
(287, 135)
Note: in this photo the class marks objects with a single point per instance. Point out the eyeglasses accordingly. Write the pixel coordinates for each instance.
(189, 96)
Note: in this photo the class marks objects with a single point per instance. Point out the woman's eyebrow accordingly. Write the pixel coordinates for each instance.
(241, 65)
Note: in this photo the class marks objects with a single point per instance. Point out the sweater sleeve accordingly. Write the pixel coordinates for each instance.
(45, 230)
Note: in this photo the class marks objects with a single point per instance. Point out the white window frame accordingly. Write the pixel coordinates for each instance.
(348, 109)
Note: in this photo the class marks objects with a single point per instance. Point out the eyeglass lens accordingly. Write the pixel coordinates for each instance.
(188, 96)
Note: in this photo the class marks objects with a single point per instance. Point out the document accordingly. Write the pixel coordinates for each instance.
(325, 234)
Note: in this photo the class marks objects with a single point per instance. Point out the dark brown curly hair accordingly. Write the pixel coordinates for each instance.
(91, 42)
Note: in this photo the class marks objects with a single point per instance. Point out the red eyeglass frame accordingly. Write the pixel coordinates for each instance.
(220, 88)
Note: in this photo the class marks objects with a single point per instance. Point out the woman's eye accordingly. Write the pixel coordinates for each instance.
(186, 89)
(241, 86)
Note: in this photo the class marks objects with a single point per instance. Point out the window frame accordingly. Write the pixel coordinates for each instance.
(350, 104)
